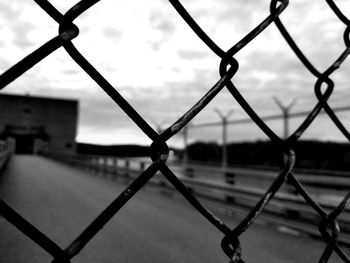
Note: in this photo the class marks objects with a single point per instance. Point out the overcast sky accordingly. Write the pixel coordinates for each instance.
(146, 51)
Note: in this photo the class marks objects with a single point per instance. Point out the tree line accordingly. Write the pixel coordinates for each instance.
(309, 154)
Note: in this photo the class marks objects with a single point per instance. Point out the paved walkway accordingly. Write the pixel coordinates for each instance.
(153, 227)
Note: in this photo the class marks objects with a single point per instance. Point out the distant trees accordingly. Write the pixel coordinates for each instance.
(309, 154)
(113, 150)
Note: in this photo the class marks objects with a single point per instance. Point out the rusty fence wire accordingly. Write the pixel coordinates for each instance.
(228, 67)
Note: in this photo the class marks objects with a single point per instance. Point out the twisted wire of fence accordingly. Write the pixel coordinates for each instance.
(159, 151)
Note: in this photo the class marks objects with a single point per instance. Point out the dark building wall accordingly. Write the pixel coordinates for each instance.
(51, 122)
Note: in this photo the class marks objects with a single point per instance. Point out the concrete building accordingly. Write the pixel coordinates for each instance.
(30, 124)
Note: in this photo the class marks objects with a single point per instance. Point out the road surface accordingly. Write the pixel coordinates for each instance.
(153, 227)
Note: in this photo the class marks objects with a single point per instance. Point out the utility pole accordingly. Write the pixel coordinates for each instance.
(285, 114)
(224, 119)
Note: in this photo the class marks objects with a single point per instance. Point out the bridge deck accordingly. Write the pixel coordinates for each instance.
(153, 227)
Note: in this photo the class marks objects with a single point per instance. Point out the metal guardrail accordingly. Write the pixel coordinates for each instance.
(232, 187)
(323, 88)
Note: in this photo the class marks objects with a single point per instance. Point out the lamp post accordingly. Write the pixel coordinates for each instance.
(285, 112)
(224, 119)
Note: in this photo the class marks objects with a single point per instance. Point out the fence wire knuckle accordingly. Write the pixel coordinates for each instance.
(159, 151)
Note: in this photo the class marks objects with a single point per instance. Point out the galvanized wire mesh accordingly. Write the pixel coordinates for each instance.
(228, 67)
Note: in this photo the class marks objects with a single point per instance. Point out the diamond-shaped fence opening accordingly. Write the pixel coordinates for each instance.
(159, 151)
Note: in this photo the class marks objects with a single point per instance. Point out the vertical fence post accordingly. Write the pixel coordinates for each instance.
(94, 165)
(188, 171)
(127, 169)
(105, 166)
(230, 180)
(114, 168)
(142, 166)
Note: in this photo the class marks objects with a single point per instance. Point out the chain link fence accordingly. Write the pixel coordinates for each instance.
(323, 88)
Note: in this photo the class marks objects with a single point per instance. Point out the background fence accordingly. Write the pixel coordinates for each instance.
(328, 222)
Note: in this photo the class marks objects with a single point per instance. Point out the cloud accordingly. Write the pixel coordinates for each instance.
(161, 29)
(21, 38)
(9, 10)
(69, 72)
(159, 21)
(113, 33)
(191, 54)
(162, 68)
(4, 64)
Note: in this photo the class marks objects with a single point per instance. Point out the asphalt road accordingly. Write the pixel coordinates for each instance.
(152, 227)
